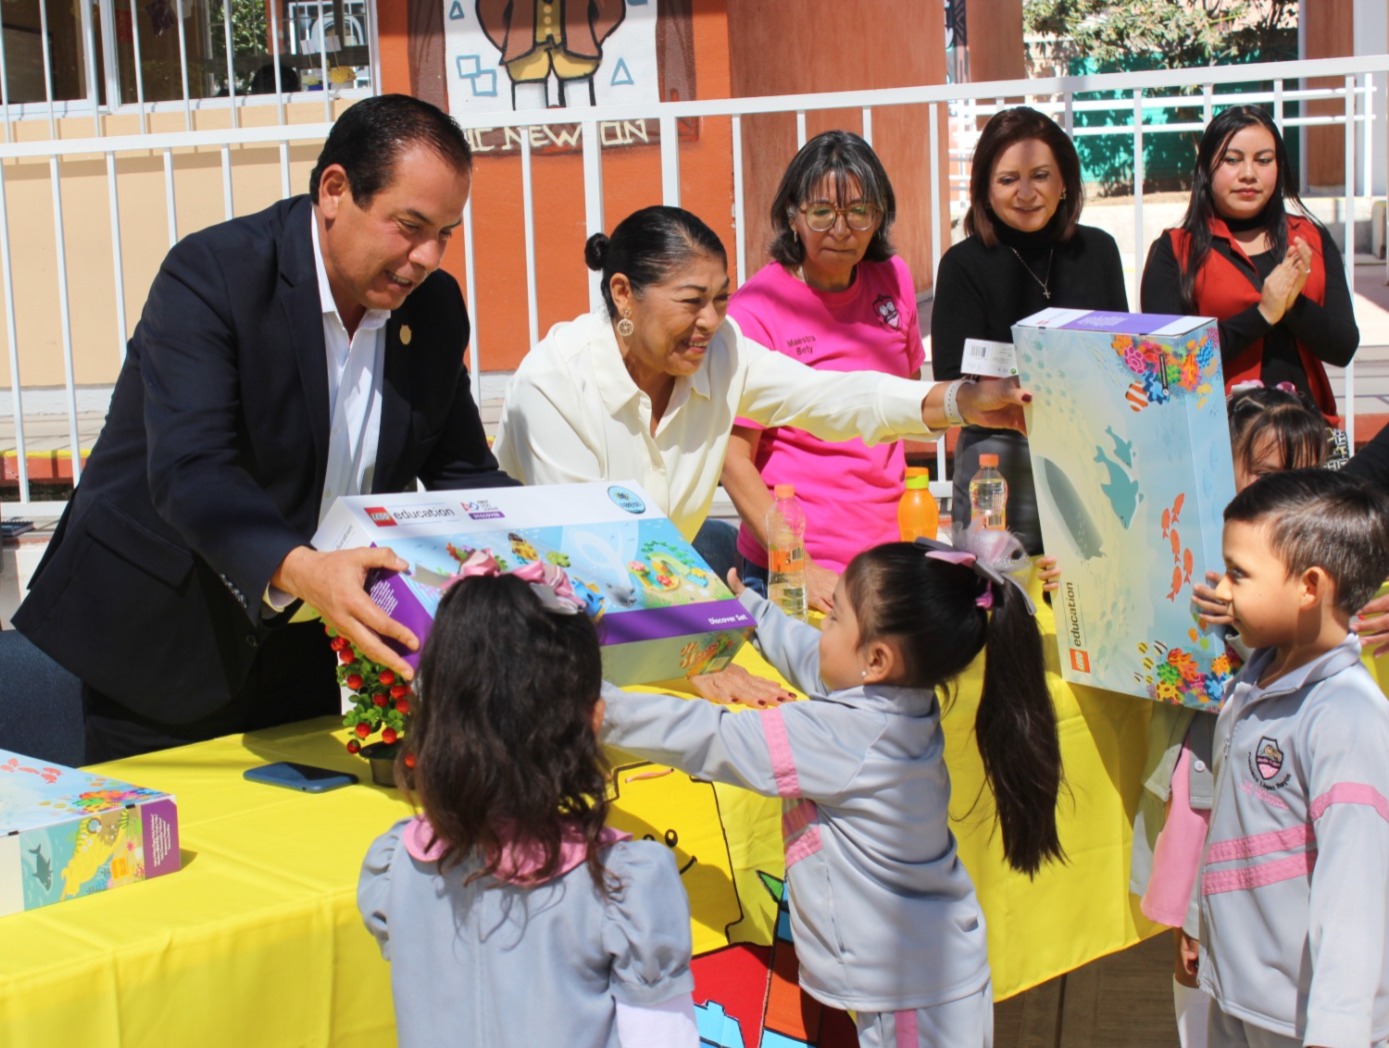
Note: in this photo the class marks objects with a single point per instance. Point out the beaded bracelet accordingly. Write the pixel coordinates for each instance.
(952, 405)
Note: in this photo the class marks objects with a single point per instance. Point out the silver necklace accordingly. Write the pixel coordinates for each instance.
(1041, 283)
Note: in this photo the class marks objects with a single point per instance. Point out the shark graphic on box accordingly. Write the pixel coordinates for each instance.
(1131, 456)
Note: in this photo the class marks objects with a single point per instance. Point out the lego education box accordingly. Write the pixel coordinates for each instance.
(661, 612)
(1131, 458)
(66, 833)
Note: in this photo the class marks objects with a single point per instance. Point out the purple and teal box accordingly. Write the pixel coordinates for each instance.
(1131, 458)
(65, 833)
(661, 611)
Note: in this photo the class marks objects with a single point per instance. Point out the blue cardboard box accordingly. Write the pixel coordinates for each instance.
(1131, 458)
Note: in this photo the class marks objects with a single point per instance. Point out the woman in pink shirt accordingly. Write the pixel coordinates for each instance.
(833, 297)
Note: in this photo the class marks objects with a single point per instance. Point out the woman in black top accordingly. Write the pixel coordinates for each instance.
(1024, 252)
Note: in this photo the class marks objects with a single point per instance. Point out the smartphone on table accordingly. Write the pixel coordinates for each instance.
(303, 777)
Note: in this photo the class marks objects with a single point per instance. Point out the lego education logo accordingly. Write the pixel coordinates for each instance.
(380, 516)
(481, 509)
(627, 500)
(1075, 631)
(424, 514)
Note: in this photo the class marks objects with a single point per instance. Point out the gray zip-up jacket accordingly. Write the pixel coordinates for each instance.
(1293, 900)
(883, 914)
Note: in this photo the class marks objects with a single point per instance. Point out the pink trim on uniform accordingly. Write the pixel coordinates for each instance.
(1261, 844)
(518, 864)
(796, 818)
(907, 1033)
(800, 831)
(788, 783)
(1246, 877)
(1177, 854)
(1351, 793)
(803, 847)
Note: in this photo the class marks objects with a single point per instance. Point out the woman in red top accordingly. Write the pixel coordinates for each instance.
(1273, 278)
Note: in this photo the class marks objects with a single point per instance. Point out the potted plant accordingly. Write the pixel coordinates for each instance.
(381, 707)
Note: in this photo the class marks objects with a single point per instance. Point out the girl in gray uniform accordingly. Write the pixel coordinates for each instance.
(510, 914)
(883, 914)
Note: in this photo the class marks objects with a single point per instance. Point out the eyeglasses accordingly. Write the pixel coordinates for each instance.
(822, 217)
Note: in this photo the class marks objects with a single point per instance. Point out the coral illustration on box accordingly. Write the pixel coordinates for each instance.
(1131, 456)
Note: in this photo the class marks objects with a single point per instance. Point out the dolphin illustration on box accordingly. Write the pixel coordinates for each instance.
(1131, 457)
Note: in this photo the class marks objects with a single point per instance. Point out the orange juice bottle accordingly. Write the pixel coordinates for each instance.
(918, 516)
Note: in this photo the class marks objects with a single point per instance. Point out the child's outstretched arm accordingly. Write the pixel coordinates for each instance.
(791, 646)
(788, 751)
(1348, 920)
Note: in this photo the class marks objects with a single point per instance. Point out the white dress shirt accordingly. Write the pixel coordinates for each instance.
(573, 413)
(354, 405)
(354, 391)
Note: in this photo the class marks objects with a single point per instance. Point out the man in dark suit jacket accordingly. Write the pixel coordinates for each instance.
(170, 582)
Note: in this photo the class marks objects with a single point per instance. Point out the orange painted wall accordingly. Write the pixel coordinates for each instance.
(631, 180)
(833, 46)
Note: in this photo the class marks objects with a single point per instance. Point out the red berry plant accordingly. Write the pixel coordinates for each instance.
(381, 701)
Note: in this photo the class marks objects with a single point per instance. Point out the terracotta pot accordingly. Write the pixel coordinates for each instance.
(381, 758)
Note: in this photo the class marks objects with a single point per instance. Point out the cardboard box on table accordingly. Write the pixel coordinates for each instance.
(1131, 458)
(66, 833)
(661, 611)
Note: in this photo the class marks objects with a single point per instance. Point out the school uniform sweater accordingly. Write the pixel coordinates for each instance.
(883, 913)
(1293, 902)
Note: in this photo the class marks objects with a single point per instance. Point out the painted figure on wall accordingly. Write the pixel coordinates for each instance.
(541, 37)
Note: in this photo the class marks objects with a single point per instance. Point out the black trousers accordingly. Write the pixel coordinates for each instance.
(292, 679)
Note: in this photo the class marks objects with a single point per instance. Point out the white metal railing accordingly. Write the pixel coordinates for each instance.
(948, 108)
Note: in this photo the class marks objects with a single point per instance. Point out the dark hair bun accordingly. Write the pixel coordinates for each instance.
(596, 251)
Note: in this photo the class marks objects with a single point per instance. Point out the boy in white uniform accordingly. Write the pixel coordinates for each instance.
(1295, 931)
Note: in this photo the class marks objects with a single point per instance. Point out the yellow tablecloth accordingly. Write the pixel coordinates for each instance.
(257, 939)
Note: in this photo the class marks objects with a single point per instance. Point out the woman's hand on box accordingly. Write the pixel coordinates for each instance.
(1049, 574)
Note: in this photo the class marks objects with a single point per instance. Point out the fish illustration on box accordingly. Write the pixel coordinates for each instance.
(66, 833)
(1131, 457)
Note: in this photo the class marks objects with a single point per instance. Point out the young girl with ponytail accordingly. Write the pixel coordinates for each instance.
(884, 916)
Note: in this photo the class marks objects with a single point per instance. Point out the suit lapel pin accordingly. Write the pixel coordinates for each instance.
(405, 334)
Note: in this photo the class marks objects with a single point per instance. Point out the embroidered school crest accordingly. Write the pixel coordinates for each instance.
(887, 311)
(1268, 759)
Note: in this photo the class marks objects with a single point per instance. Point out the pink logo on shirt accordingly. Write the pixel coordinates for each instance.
(887, 311)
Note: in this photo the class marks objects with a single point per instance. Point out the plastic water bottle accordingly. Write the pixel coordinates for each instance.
(988, 496)
(918, 516)
(786, 552)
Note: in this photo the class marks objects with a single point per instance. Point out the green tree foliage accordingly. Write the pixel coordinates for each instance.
(1182, 32)
(249, 34)
(1111, 36)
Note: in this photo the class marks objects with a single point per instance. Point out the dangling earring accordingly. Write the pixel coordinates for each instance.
(625, 326)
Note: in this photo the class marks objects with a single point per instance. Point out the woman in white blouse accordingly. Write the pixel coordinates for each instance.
(649, 391)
